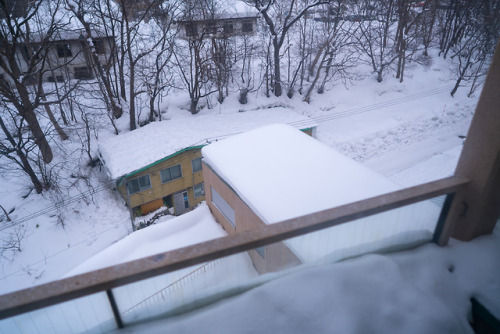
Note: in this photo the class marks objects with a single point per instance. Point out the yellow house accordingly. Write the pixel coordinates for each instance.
(160, 164)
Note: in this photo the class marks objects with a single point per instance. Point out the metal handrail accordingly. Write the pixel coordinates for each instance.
(101, 280)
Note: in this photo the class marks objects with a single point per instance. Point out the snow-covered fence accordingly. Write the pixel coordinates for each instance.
(163, 294)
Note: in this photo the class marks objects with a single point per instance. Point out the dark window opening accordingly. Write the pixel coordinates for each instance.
(191, 29)
(196, 164)
(26, 53)
(63, 50)
(171, 173)
(83, 73)
(99, 46)
(57, 78)
(139, 184)
(228, 27)
(211, 28)
(30, 79)
(247, 26)
(186, 201)
(199, 190)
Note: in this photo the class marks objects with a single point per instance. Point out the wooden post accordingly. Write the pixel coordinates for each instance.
(476, 209)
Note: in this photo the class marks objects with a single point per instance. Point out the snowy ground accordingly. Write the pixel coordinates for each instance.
(414, 138)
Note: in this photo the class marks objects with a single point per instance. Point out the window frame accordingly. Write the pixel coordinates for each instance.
(202, 193)
(170, 172)
(83, 73)
(191, 29)
(139, 184)
(63, 50)
(223, 206)
(228, 27)
(192, 166)
(99, 47)
(247, 26)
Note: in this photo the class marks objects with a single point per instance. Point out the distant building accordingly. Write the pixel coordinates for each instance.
(160, 164)
(68, 57)
(275, 173)
(220, 27)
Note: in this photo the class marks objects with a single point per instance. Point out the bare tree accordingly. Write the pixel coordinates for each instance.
(279, 17)
(406, 35)
(85, 12)
(376, 40)
(15, 35)
(194, 65)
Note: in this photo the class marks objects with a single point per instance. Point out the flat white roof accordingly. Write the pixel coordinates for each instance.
(282, 173)
(136, 149)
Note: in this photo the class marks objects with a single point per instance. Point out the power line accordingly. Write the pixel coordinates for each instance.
(385, 104)
(60, 204)
(318, 119)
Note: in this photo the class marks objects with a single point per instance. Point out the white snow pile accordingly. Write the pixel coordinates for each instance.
(191, 228)
(426, 290)
(131, 151)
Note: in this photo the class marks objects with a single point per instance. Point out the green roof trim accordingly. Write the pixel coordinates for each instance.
(120, 179)
(162, 160)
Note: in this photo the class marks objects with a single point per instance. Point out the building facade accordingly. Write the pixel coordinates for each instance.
(68, 58)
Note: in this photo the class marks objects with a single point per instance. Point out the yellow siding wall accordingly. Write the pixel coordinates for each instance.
(158, 189)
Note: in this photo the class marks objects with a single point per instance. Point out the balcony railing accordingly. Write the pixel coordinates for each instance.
(180, 280)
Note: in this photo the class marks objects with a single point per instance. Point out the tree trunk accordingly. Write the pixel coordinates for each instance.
(53, 120)
(194, 106)
(307, 98)
(277, 71)
(24, 160)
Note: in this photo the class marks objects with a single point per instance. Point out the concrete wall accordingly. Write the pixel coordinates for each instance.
(277, 256)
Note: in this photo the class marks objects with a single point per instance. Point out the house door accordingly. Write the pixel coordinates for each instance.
(181, 202)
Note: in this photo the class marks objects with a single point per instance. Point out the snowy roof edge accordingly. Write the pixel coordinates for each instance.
(191, 147)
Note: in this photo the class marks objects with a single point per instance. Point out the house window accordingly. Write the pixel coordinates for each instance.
(63, 50)
(30, 79)
(211, 28)
(139, 184)
(199, 190)
(57, 78)
(261, 251)
(247, 26)
(223, 206)
(25, 52)
(172, 173)
(191, 29)
(196, 164)
(228, 27)
(99, 46)
(83, 73)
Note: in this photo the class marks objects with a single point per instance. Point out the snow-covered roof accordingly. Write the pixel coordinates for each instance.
(137, 149)
(282, 173)
(226, 10)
